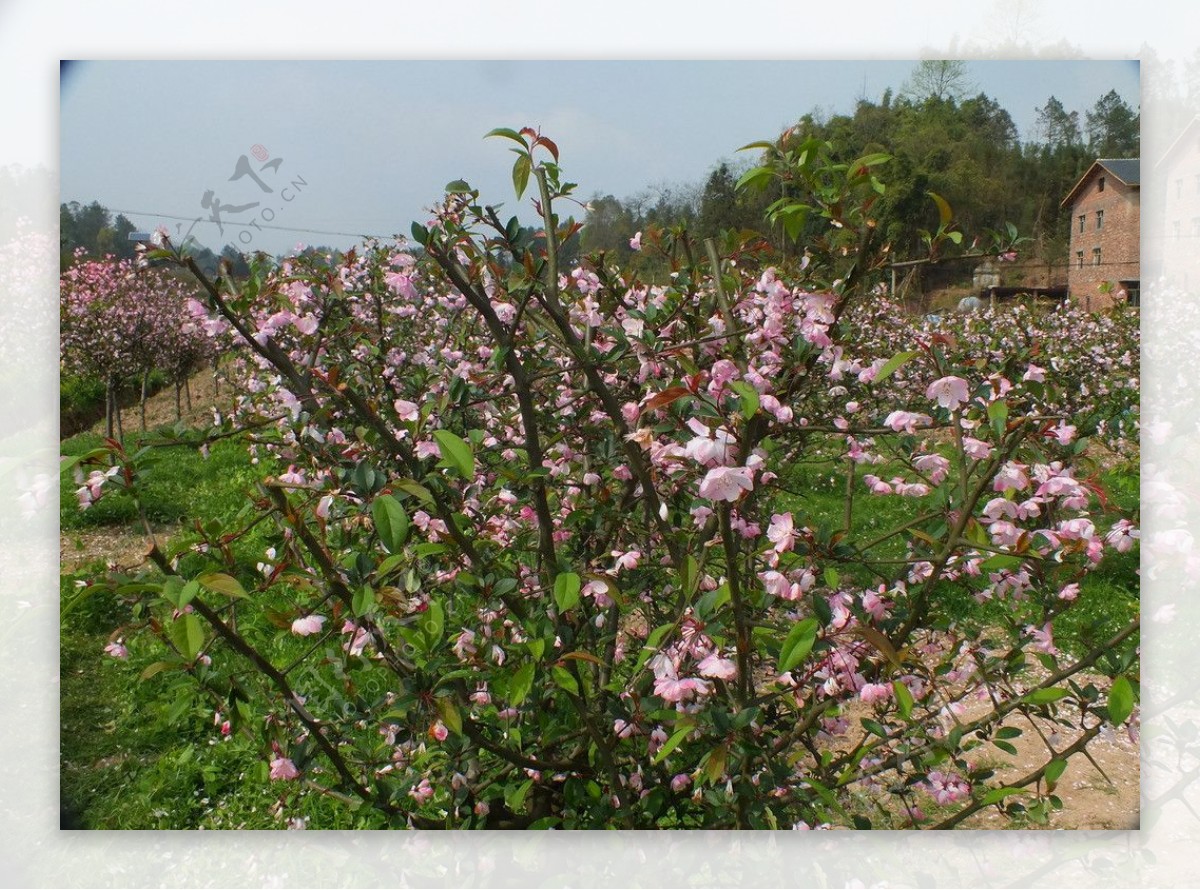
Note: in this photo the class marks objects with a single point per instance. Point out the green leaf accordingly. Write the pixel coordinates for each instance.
(1005, 746)
(998, 415)
(521, 684)
(451, 716)
(714, 765)
(187, 633)
(187, 593)
(506, 133)
(797, 644)
(756, 176)
(760, 145)
(158, 667)
(566, 591)
(671, 744)
(564, 679)
(218, 582)
(1008, 732)
(416, 489)
(520, 174)
(458, 185)
(1000, 561)
(1120, 701)
(433, 622)
(712, 600)
(420, 234)
(749, 397)
(1046, 696)
(832, 577)
(516, 799)
(391, 522)
(874, 727)
(363, 600)
(456, 453)
(945, 214)
(1054, 770)
(998, 794)
(890, 366)
(904, 699)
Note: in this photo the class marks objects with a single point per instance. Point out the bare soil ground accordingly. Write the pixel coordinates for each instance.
(1103, 795)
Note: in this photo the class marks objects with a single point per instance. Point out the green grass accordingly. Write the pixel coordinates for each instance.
(180, 483)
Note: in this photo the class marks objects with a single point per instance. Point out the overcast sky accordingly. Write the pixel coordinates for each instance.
(367, 146)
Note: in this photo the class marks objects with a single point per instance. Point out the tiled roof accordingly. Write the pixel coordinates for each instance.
(1128, 170)
(1125, 169)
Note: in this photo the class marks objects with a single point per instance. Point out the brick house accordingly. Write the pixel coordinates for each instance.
(1105, 215)
(1179, 174)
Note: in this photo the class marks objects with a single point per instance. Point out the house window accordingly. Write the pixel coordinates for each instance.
(1082, 221)
(1099, 219)
(1079, 258)
(1101, 186)
(1095, 256)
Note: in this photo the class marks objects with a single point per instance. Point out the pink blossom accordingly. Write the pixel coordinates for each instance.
(719, 668)
(1122, 535)
(709, 447)
(726, 483)
(1035, 374)
(598, 591)
(876, 485)
(1043, 640)
(421, 792)
(906, 421)
(781, 532)
(875, 605)
(680, 782)
(776, 583)
(406, 411)
(948, 392)
(626, 560)
(308, 624)
(1063, 433)
(283, 769)
(947, 788)
(976, 448)
(1011, 475)
(875, 692)
(672, 689)
(623, 729)
(934, 466)
(439, 731)
(635, 243)
(117, 650)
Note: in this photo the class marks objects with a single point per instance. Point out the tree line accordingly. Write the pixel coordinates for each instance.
(966, 148)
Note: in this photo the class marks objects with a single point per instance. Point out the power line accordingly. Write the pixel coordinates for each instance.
(194, 219)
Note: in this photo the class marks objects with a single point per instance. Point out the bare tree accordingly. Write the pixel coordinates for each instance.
(938, 79)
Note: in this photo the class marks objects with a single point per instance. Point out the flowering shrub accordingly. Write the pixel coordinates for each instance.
(538, 561)
(117, 322)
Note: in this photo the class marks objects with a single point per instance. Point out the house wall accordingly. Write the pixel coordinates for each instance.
(1180, 173)
(1118, 239)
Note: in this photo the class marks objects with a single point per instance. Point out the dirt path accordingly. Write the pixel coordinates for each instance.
(160, 407)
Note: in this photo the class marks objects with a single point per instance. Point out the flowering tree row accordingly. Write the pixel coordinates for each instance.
(540, 560)
(119, 322)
